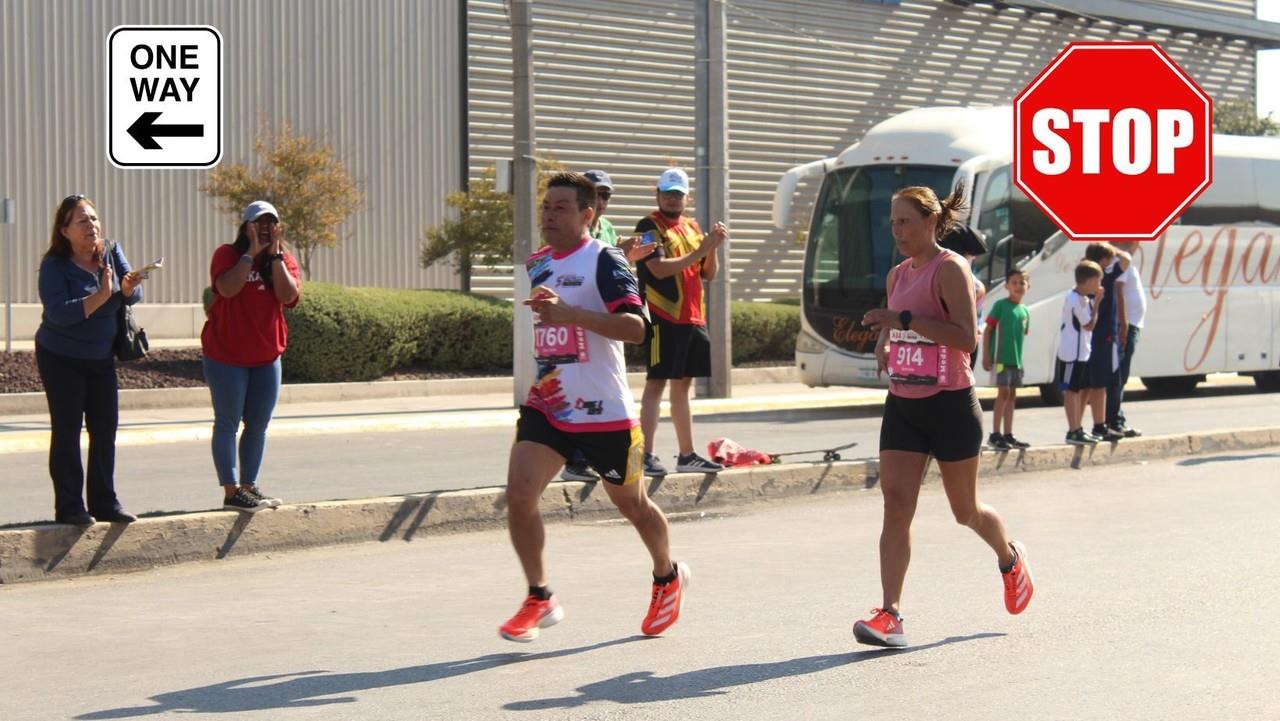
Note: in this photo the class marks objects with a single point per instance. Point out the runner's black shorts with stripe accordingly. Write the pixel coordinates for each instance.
(618, 456)
(946, 425)
(677, 350)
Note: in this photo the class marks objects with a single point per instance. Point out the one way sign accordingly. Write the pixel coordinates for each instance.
(164, 96)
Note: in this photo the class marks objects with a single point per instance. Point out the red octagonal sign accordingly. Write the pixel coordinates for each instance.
(1113, 140)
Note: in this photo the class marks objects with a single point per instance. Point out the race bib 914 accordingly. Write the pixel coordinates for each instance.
(915, 360)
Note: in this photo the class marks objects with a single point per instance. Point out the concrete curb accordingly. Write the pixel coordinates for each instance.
(35, 553)
(12, 404)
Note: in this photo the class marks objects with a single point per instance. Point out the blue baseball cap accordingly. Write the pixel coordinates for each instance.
(673, 179)
(599, 178)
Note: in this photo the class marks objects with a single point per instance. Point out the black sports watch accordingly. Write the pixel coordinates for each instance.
(277, 256)
(905, 319)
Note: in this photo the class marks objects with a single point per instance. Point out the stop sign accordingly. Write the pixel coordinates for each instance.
(1113, 140)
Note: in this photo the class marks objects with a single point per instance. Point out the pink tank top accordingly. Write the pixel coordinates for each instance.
(929, 368)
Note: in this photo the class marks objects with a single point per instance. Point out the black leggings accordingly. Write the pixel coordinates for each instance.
(80, 390)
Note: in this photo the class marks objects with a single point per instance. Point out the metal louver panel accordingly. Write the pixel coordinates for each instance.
(613, 82)
(807, 78)
(377, 81)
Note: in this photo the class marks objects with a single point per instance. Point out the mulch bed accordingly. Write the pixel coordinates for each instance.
(162, 368)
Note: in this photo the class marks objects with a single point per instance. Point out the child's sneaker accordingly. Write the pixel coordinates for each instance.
(1012, 442)
(884, 628)
(1103, 433)
(534, 614)
(998, 442)
(1079, 438)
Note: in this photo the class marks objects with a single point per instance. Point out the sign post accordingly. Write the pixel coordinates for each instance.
(1113, 140)
(6, 218)
(164, 96)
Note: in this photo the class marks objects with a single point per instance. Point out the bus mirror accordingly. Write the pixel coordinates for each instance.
(782, 197)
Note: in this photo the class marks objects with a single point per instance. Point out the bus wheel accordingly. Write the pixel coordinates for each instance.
(1172, 385)
(1050, 394)
(1267, 381)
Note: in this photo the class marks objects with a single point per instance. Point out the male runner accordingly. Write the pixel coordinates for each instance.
(587, 303)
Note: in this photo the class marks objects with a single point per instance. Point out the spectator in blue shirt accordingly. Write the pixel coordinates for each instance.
(82, 287)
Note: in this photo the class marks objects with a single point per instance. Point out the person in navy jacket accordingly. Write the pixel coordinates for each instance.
(82, 287)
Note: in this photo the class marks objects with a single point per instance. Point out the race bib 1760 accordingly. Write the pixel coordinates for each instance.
(915, 360)
(559, 343)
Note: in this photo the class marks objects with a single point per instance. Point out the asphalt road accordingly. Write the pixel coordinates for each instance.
(1157, 593)
(179, 476)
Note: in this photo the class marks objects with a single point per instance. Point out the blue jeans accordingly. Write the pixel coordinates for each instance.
(241, 394)
(1115, 393)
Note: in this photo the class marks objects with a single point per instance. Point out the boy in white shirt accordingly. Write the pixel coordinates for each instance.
(1075, 342)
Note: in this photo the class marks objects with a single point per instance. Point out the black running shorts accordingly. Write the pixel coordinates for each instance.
(947, 425)
(618, 456)
(677, 350)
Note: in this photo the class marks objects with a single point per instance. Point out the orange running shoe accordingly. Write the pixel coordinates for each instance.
(882, 629)
(664, 608)
(1018, 584)
(533, 615)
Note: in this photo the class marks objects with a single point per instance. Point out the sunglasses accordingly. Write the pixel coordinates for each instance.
(267, 220)
(72, 199)
(604, 194)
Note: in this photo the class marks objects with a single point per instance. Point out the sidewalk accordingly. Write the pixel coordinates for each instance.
(29, 432)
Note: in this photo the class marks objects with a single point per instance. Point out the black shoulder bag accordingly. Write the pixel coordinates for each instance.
(131, 340)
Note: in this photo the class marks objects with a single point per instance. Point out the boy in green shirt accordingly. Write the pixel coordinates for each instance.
(1007, 325)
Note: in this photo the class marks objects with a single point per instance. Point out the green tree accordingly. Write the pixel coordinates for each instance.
(301, 176)
(480, 234)
(1238, 117)
(481, 231)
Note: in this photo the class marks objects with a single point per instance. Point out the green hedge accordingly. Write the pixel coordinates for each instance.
(355, 334)
(337, 333)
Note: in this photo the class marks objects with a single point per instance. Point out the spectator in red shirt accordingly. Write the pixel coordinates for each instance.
(254, 280)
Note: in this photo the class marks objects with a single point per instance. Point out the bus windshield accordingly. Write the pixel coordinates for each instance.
(851, 249)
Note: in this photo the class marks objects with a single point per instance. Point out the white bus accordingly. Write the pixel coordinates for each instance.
(1213, 279)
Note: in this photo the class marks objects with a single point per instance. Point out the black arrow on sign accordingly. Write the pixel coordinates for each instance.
(145, 131)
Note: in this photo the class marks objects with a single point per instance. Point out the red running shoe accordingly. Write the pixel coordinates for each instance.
(533, 615)
(882, 629)
(1018, 584)
(664, 608)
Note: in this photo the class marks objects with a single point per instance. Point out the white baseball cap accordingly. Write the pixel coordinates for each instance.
(673, 179)
(257, 209)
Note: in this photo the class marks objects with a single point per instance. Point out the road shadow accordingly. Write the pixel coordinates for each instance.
(57, 544)
(646, 687)
(233, 534)
(1226, 459)
(321, 688)
(416, 507)
(113, 534)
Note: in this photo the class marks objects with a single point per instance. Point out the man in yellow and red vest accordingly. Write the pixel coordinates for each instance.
(677, 346)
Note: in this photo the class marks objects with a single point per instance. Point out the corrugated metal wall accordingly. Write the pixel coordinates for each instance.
(379, 81)
(614, 90)
(807, 78)
(1246, 8)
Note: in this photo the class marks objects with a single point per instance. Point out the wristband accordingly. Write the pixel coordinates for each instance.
(278, 256)
(246, 258)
